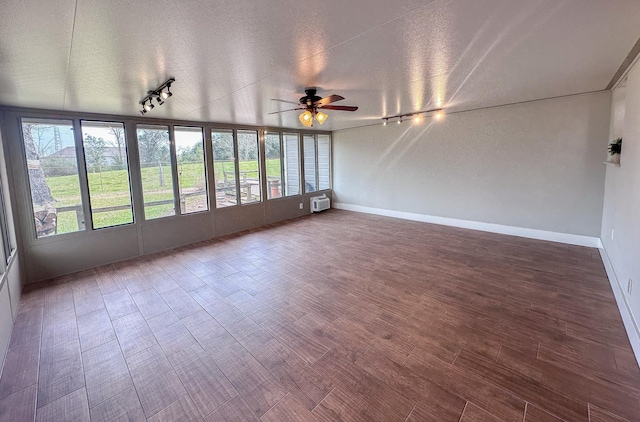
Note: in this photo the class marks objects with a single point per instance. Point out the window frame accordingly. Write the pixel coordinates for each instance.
(86, 175)
(79, 157)
(204, 163)
(316, 162)
(283, 182)
(172, 166)
(259, 159)
(25, 234)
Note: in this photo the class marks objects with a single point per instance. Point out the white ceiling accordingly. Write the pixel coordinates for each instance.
(230, 57)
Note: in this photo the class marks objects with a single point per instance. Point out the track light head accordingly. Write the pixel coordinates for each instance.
(148, 106)
(160, 100)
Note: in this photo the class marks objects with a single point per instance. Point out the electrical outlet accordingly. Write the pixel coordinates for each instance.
(300, 205)
(613, 232)
(629, 286)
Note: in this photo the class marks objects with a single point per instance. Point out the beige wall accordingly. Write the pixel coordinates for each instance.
(536, 165)
(622, 201)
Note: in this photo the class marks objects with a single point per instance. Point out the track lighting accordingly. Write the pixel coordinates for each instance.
(159, 94)
(437, 114)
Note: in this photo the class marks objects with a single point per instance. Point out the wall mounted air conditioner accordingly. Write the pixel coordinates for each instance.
(320, 203)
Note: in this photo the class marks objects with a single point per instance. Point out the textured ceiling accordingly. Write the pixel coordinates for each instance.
(231, 57)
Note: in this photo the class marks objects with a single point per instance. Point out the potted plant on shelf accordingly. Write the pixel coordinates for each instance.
(615, 148)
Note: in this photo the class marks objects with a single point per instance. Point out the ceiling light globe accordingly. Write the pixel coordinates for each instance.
(321, 117)
(306, 118)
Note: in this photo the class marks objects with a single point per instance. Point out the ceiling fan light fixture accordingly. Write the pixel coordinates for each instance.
(306, 118)
(321, 117)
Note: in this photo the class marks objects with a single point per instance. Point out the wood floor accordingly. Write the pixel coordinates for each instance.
(335, 316)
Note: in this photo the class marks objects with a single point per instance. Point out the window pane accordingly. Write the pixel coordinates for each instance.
(324, 157)
(274, 165)
(309, 164)
(53, 176)
(249, 174)
(105, 154)
(224, 168)
(155, 170)
(291, 164)
(192, 178)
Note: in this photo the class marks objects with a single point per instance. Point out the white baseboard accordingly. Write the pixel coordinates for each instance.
(571, 239)
(628, 319)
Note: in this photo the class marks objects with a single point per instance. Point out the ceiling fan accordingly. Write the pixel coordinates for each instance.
(313, 105)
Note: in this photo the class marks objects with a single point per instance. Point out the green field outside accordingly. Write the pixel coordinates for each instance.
(111, 188)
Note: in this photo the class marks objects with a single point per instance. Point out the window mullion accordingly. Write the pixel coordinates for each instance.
(237, 165)
(208, 158)
(135, 174)
(315, 145)
(262, 164)
(283, 182)
(174, 171)
(301, 180)
(82, 172)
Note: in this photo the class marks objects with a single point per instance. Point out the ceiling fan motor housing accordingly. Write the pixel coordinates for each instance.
(311, 97)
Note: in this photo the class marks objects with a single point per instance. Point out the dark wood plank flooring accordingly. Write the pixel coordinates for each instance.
(330, 317)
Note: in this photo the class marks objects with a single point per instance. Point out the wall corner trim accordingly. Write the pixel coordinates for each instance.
(628, 319)
(571, 239)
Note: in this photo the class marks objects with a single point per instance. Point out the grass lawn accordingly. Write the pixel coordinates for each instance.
(111, 188)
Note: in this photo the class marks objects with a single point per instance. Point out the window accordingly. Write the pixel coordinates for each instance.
(274, 165)
(224, 168)
(309, 148)
(249, 173)
(192, 177)
(54, 182)
(4, 227)
(155, 171)
(105, 154)
(324, 159)
(291, 143)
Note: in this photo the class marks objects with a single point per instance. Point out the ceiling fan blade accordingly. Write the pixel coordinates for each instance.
(328, 100)
(282, 111)
(284, 101)
(343, 108)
